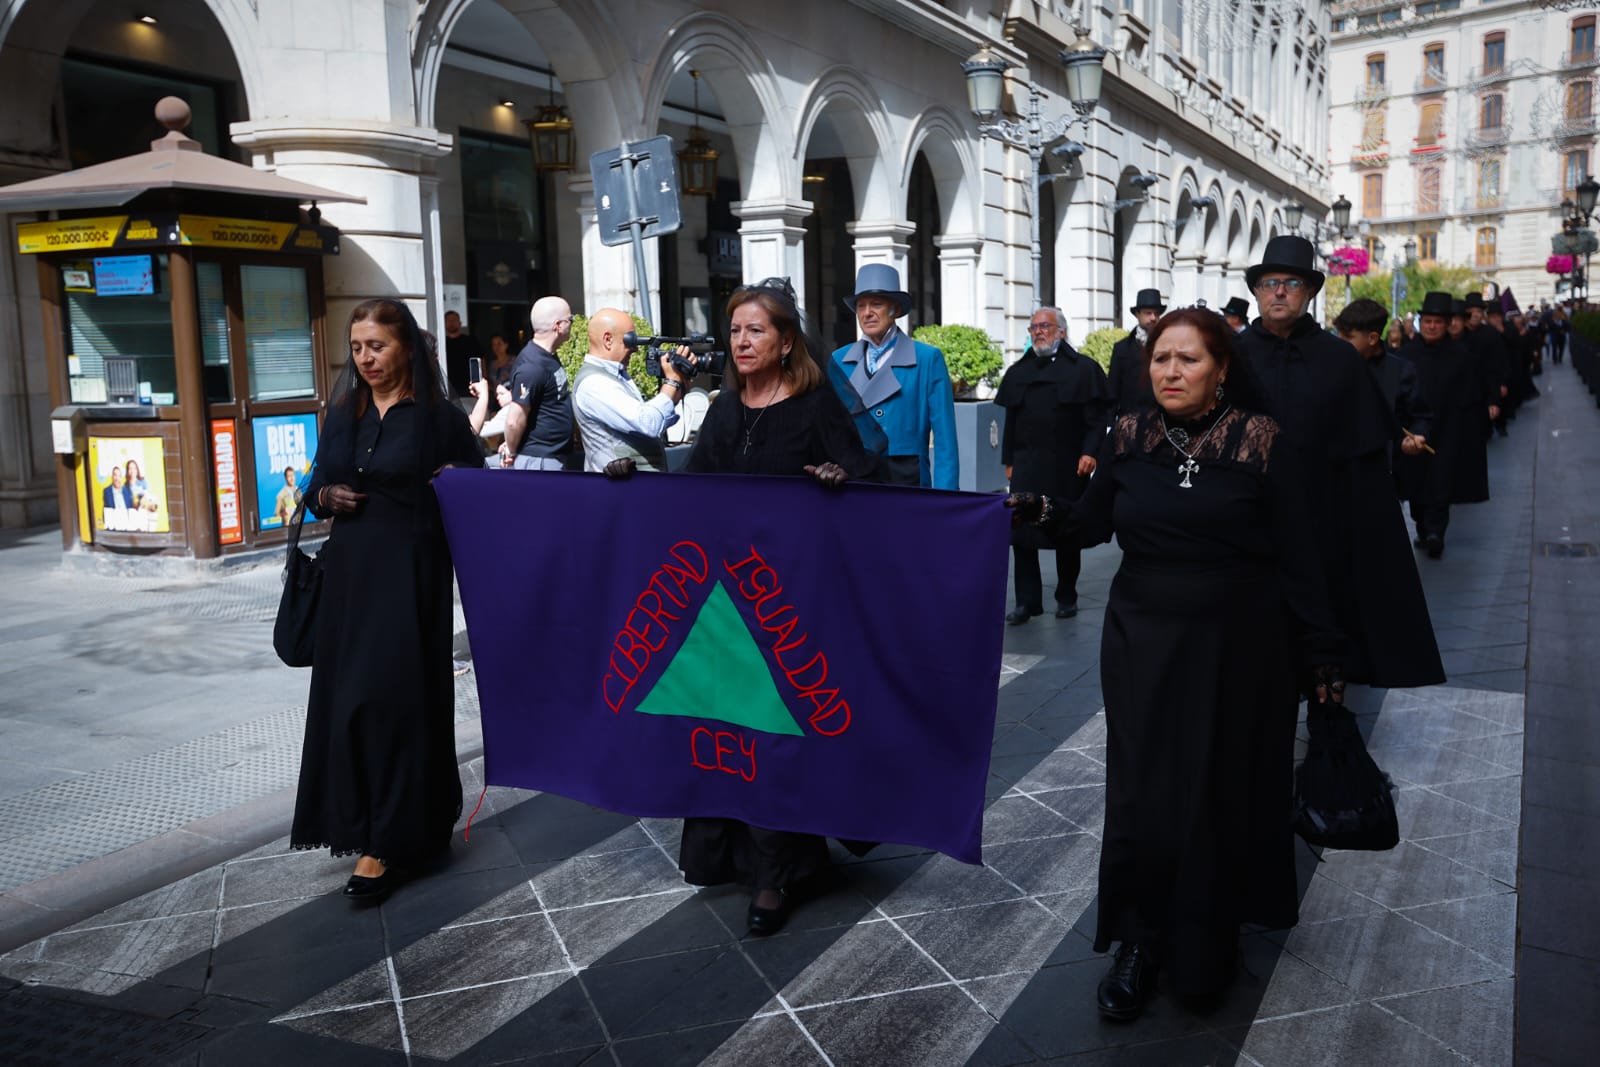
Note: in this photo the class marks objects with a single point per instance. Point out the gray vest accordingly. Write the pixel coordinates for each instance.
(602, 444)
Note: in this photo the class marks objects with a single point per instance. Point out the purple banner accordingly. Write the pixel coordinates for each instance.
(824, 661)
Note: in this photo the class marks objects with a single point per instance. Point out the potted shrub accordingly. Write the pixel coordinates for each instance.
(1098, 345)
(974, 360)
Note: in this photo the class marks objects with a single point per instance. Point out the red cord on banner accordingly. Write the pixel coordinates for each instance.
(466, 833)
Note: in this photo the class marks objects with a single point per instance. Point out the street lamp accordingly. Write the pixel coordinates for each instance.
(1399, 287)
(1293, 212)
(985, 72)
(1341, 216)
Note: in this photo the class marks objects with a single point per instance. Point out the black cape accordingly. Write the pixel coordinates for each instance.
(1056, 413)
(1458, 470)
(1336, 422)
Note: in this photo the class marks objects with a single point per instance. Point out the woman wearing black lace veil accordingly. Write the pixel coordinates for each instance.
(1217, 617)
(378, 772)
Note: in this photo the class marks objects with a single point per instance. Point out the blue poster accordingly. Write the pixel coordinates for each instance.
(284, 447)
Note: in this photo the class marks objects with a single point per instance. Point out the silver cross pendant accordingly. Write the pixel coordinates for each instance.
(1186, 468)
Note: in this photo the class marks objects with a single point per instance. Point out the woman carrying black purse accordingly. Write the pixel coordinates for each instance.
(378, 775)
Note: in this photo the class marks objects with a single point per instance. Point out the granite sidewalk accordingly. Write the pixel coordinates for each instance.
(561, 934)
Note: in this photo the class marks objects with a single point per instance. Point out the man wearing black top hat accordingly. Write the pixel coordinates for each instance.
(1129, 376)
(1237, 313)
(1456, 390)
(1336, 421)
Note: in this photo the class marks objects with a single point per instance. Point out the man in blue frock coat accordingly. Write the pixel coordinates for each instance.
(903, 384)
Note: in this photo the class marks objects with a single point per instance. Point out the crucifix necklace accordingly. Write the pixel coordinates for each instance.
(745, 412)
(1189, 466)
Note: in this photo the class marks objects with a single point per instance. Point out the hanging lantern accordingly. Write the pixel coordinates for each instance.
(550, 136)
(697, 160)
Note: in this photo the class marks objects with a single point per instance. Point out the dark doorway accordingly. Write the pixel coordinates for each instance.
(830, 250)
(922, 257)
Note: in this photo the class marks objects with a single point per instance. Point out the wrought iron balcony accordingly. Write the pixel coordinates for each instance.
(1481, 76)
(1432, 79)
(1574, 60)
(1490, 135)
(1576, 126)
(1371, 92)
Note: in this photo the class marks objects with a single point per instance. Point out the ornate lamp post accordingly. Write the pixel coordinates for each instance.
(1084, 62)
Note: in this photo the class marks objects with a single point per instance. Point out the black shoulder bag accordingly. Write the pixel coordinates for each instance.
(294, 634)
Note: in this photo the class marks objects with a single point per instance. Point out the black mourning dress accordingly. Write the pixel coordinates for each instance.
(784, 438)
(1216, 612)
(378, 769)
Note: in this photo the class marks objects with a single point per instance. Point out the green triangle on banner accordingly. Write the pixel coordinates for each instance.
(719, 673)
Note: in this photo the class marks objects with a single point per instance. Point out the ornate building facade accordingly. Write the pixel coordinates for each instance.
(1464, 125)
(842, 132)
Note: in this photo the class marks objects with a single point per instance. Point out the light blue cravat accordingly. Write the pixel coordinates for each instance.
(875, 353)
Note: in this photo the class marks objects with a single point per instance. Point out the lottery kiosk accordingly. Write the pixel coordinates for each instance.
(183, 310)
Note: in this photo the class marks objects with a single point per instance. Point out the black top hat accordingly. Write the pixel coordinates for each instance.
(1149, 298)
(1237, 306)
(1436, 303)
(1473, 300)
(1458, 307)
(1291, 255)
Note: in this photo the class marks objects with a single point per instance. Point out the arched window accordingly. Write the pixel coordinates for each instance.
(1486, 247)
(1581, 40)
(1428, 202)
(1492, 112)
(1431, 125)
(1376, 76)
(1371, 196)
(1575, 167)
(1489, 183)
(1433, 66)
(1374, 128)
(1494, 52)
(1580, 101)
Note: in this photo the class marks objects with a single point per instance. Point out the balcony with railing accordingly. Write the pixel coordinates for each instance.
(1576, 124)
(1432, 79)
(1576, 60)
(1433, 206)
(1371, 92)
(1489, 135)
(1488, 200)
(1479, 77)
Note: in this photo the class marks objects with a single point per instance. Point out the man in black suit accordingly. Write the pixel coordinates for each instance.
(1237, 313)
(1128, 378)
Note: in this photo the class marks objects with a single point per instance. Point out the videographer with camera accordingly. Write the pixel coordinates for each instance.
(615, 421)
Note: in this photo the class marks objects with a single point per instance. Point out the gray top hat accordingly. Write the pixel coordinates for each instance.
(879, 279)
(1149, 298)
(1289, 254)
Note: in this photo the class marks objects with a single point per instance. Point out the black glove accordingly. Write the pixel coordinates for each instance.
(619, 470)
(1328, 682)
(1026, 508)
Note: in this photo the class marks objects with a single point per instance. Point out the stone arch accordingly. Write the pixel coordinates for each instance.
(578, 37)
(35, 33)
(1258, 232)
(856, 110)
(1188, 235)
(1215, 233)
(1238, 232)
(746, 88)
(946, 144)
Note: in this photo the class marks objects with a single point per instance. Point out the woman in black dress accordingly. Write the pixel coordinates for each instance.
(1217, 615)
(775, 416)
(378, 772)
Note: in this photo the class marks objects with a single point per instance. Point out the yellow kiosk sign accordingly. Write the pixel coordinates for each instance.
(134, 232)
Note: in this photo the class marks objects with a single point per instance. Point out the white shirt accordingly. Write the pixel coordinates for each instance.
(609, 406)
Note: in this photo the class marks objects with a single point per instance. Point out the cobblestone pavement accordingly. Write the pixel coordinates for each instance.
(561, 934)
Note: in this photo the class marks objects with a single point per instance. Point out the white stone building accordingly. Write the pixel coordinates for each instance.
(1464, 125)
(842, 126)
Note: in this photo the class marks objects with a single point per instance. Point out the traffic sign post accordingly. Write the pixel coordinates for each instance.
(636, 196)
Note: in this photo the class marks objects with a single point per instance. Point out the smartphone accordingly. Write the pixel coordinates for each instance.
(474, 369)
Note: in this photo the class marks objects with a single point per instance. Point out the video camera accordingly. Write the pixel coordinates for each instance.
(708, 359)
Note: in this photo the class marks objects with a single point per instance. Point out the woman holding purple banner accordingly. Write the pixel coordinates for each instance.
(776, 415)
(1217, 617)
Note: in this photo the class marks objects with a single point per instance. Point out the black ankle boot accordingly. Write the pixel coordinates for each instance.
(1129, 984)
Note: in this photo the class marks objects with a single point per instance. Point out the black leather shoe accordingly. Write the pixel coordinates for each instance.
(1018, 617)
(363, 890)
(1420, 541)
(764, 922)
(1435, 546)
(1067, 612)
(1129, 983)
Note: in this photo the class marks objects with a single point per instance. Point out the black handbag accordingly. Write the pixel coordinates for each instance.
(1341, 797)
(294, 634)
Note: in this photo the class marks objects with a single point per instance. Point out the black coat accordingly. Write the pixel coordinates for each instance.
(1458, 470)
(1056, 413)
(1335, 419)
(1129, 377)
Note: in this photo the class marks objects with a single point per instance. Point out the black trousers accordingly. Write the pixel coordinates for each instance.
(1432, 519)
(1030, 584)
